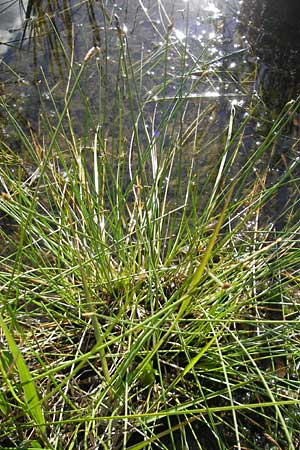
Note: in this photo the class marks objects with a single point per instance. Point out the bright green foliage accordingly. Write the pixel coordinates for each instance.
(32, 402)
(146, 294)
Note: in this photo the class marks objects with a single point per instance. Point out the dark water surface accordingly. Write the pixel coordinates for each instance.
(167, 41)
(229, 39)
(230, 49)
(204, 30)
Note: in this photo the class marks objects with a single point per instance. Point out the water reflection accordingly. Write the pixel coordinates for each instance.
(166, 43)
(272, 28)
(12, 15)
(177, 53)
(74, 27)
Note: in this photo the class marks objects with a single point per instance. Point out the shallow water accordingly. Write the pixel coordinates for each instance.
(203, 29)
(167, 42)
(229, 39)
(220, 48)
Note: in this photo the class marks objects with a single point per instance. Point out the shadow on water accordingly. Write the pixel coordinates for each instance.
(273, 31)
(274, 34)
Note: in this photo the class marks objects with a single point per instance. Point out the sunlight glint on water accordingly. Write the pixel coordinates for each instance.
(11, 19)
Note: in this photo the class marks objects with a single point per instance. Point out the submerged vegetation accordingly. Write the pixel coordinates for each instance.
(150, 260)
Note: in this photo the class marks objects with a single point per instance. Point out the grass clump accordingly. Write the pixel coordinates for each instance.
(144, 305)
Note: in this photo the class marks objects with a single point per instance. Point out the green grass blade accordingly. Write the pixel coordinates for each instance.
(29, 389)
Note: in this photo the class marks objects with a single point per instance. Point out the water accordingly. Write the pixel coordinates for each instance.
(12, 17)
(273, 33)
(198, 41)
(217, 36)
(200, 27)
